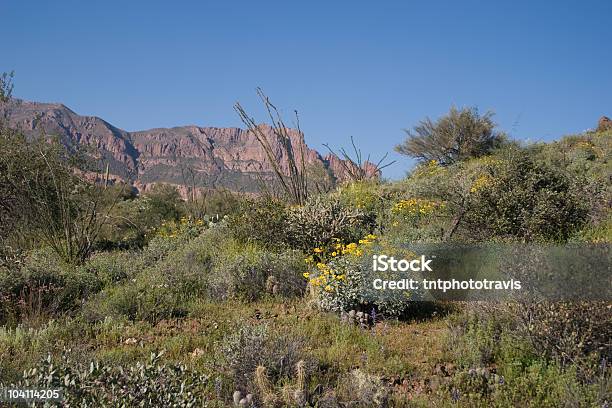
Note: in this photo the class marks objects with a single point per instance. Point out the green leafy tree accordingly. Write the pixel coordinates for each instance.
(459, 135)
(50, 194)
(47, 197)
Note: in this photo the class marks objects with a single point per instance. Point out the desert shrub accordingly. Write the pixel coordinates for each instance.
(432, 201)
(364, 195)
(217, 265)
(565, 332)
(214, 204)
(158, 281)
(540, 384)
(499, 365)
(523, 198)
(142, 299)
(248, 272)
(133, 221)
(269, 223)
(114, 267)
(324, 219)
(599, 232)
(212, 264)
(23, 346)
(586, 158)
(568, 332)
(476, 335)
(260, 221)
(164, 203)
(43, 285)
(373, 197)
(46, 200)
(417, 220)
(360, 389)
(512, 195)
(170, 237)
(166, 275)
(249, 347)
(151, 383)
(136, 220)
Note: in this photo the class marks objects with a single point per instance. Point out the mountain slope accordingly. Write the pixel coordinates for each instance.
(206, 157)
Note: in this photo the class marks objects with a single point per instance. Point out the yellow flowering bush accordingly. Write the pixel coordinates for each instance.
(480, 183)
(341, 280)
(363, 195)
(417, 207)
(428, 168)
(186, 226)
(322, 273)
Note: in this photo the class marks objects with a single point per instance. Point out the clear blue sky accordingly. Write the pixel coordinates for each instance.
(351, 68)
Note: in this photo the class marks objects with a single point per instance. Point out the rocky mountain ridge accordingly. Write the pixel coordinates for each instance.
(187, 156)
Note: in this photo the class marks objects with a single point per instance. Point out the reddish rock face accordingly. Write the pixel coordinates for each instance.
(605, 123)
(206, 157)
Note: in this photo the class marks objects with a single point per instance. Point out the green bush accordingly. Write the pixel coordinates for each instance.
(212, 265)
(248, 273)
(522, 198)
(459, 135)
(158, 282)
(365, 195)
(114, 267)
(44, 286)
(217, 265)
(145, 299)
(149, 383)
(498, 365)
(586, 157)
(513, 195)
(260, 221)
(568, 332)
(417, 220)
(134, 218)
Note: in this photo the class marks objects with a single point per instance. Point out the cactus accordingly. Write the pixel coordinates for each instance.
(237, 397)
(106, 175)
(300, 373)
(265, 387)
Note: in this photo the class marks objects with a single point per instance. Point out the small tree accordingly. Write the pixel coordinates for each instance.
(459, 135)
(47, 193)
(46, 197)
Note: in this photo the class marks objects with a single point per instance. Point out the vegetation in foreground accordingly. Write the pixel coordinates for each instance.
(126, 300)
